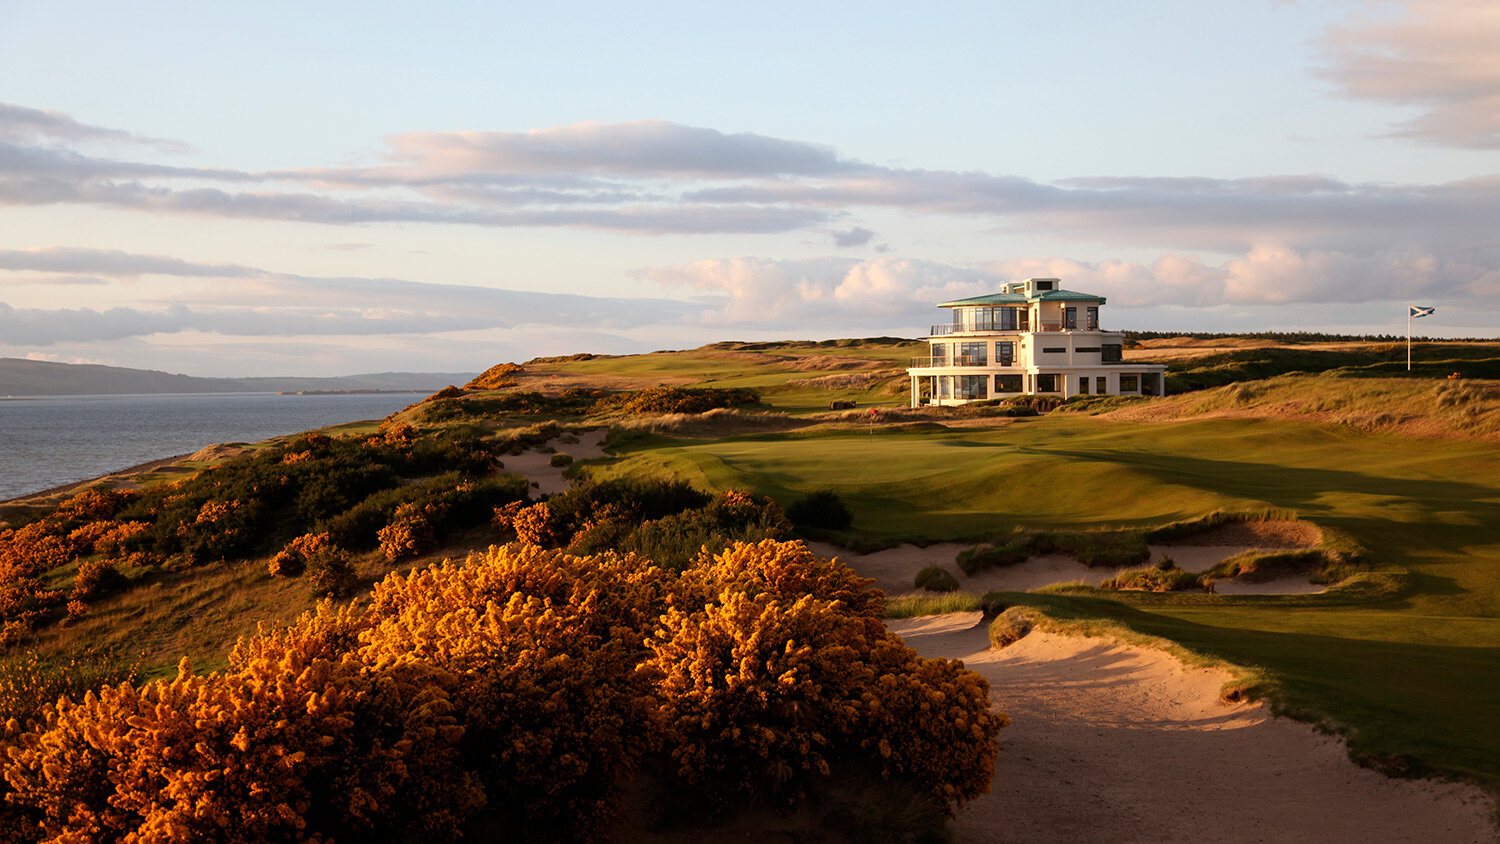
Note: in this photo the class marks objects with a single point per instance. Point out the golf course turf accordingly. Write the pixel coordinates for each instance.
(1412, 679)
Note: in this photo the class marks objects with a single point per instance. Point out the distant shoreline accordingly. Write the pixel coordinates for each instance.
(354, 392)
(348, 392)
(138, 469)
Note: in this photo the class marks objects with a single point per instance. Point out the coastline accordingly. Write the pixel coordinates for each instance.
(121, 474)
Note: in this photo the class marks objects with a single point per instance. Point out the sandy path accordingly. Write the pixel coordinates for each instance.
(1122, 744)
(536, 466)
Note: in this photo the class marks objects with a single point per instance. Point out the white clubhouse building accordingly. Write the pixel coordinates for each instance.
(1030, 338)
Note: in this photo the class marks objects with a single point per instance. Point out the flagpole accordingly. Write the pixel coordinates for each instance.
(1408, 338)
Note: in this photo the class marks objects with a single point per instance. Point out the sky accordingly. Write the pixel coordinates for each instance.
(278, 188)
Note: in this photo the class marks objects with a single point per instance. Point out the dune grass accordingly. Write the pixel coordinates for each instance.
(768, 368)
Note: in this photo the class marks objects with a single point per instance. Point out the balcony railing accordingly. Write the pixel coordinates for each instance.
(960, 360)
(947, 328)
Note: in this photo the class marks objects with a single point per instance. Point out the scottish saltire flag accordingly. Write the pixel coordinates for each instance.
(1419, 311)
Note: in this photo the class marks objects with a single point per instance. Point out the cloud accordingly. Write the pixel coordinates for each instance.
(52, 358)
(1438, 56)
(249, 301)
(857, 236)
(65, 259)
(654, 148)
(18, 123)
(660, 178)
(654, 177)
(830, 292)
(808, 291)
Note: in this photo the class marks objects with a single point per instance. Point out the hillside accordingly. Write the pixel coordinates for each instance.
(705, 447)
(44, 378)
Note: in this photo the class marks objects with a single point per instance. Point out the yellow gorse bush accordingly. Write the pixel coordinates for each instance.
(524, 682)
(297, 742)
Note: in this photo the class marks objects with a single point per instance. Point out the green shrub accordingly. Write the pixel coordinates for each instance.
(974, 560)
(96, 579)
(1101, 548)
(328, 567)
(821, 509)
(1164, 576)
(560, 459)
(1009, 627)
(29, 682)
(936, 579)
(733, 516)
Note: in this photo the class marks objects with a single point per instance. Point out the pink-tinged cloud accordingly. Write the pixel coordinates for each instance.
(755, 291)
(1438, 55)
(653, 177)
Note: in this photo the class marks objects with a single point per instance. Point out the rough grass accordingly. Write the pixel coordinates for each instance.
(1427, 408)
(910, 606)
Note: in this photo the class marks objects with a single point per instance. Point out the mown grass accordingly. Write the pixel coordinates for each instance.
(1407, 660)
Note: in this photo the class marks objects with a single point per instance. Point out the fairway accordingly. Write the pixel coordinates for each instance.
(1414, 678)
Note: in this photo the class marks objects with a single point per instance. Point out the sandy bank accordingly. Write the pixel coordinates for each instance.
(536, 466)
(895, 568)
(1116, 743)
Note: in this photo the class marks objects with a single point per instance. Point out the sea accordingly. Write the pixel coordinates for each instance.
(51, 441)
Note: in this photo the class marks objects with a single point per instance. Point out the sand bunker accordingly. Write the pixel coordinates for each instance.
(1115, 743)
(894, 568)
(536, 466)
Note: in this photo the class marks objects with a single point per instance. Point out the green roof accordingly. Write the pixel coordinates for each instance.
(1024, 298)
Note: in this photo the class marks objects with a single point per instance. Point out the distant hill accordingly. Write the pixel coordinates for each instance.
(43, 378)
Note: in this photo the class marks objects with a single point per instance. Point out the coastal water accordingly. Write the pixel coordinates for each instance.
(47, 442)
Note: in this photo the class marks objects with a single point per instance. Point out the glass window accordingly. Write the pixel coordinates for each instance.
(1005, 353)
(1091, 318)
(1130, 384)
(1046, 383)
(1101, 385)
(1070, 318)
(972, 354)
(970, 387)
(1083, 385)
(939, 353)
(1008, 383)
(1111, 354)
